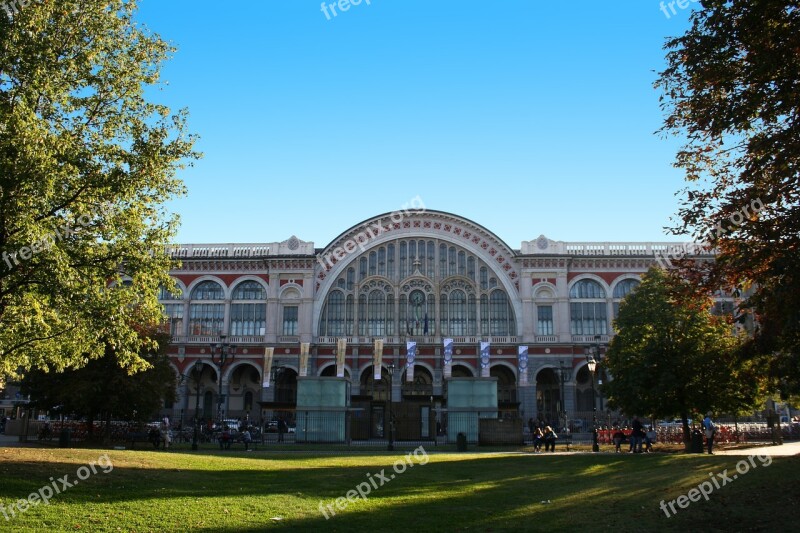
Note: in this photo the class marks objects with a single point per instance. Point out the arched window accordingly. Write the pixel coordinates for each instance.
(623, 289)
(403, 260)
(588, 316)
(390, 262)
(382, 261)
(333, 316)
(587, 288)
(458, 313)
(502, 316)
(207, 318)
(376, 320)
(249, 309)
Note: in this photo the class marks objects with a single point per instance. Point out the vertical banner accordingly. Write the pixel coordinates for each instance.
(377, 359)
(523, 366)
(304, 349)
(448, 358)
(411, 355)
(485, 356)
(341, 350)
(267, 366)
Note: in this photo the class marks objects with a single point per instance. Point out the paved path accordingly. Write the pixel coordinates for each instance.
(787, 449)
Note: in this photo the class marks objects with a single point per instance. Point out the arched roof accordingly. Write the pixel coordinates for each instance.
(422, 224)
(416, 223)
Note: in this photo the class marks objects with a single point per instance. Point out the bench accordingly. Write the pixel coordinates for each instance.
(140, 436)
(565, 439)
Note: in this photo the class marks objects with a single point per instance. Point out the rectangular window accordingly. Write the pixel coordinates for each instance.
(248, 320)
(545, 320)
(206, 319)
(290, 320)
(588, 318)
(174, 324)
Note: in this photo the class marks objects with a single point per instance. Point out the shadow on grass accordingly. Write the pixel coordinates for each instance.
(451, 492)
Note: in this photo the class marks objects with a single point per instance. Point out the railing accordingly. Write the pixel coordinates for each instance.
(590, 339)
(595, 249)
(422, 340)
(288, 339)
(542, 339)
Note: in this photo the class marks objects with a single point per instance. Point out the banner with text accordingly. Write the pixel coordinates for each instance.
(304, 349)
(411, 355)
(377, 359)
(267, 366)
(448, 358)
(485, 357)
(523, 365)
(341, 351)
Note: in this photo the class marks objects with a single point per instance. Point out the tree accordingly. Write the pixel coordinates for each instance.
(671, 356)
(731, 90)
(86, 164)
(103, 390)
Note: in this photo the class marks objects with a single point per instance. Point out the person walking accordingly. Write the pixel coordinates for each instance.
(246, 439)
(282, 427)
(711, 430)
(637, 435)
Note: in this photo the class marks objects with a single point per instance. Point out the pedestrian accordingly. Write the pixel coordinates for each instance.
(618, 437)
(650, 438)
(246, 438)
(711, 430)
(538, 437)
(549, 439)
(282, 427)
(3, 421)
(225, 439)
(637, 435)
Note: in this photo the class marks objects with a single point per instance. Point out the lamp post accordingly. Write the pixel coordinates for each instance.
(198, 373)
(592, 364)
(221, 355)
(563, 377)
(390, 446)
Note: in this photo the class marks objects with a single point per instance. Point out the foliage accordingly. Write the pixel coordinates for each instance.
(731, 91)
(671, 356)
(86, 164)
(104, 390)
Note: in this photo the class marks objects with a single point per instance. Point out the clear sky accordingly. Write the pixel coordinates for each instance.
(528, 117)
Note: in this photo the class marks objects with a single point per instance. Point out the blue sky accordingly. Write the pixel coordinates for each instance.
(527, 117)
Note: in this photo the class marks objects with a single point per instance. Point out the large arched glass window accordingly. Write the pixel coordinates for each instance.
(249, 309)
(207, 318)
(588, 315)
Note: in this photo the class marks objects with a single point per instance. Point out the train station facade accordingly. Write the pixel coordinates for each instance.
(423, 277)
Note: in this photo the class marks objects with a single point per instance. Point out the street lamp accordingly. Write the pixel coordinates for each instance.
(198, 373)
(390, 447)
(221, 355)
(592, 364)
(563, 377)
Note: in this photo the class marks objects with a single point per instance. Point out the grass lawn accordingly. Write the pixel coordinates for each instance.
(263, 491)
